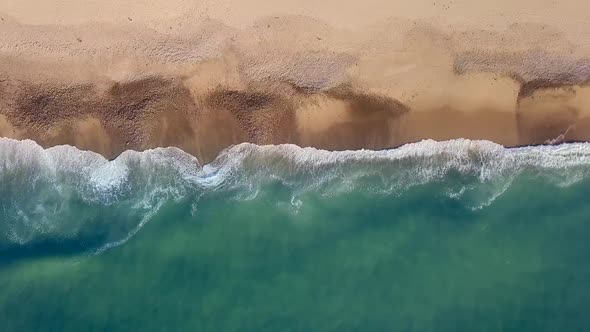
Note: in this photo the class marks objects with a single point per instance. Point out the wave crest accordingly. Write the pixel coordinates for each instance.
(43, 191)
(61, 192)
(397, 169)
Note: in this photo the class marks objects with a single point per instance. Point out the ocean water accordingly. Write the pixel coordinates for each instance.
(433, 236)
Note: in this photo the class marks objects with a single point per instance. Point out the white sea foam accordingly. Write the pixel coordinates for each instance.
(37, 185)
(40, 189)
(400, 168)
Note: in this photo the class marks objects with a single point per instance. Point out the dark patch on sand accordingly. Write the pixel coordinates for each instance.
(146, 97)
(123, 110)
(266, 117)
(371, 121)
(527, 89)
(366, 104)
(533, 69)
(239, 102)
(527, 65)
(43, 106)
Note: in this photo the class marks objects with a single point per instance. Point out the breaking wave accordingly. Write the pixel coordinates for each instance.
(64, 195)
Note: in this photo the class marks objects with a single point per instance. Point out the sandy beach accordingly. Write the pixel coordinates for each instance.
(109, 76)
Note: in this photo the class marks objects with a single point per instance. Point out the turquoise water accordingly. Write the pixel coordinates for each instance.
(450, 236)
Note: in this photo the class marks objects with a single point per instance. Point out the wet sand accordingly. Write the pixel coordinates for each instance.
(110, 77)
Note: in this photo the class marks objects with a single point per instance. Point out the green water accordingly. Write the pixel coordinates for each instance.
(501, 256)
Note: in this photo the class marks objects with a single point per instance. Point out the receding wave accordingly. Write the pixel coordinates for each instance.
(59, 194)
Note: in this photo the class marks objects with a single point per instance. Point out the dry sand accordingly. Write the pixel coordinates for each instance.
(111, 75)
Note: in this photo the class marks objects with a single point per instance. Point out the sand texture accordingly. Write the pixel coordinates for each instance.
(110, 75)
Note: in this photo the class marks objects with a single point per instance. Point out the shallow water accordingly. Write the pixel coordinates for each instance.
(451, 236)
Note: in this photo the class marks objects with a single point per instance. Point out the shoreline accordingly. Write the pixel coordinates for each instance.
(157, 113)
(291, 145)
